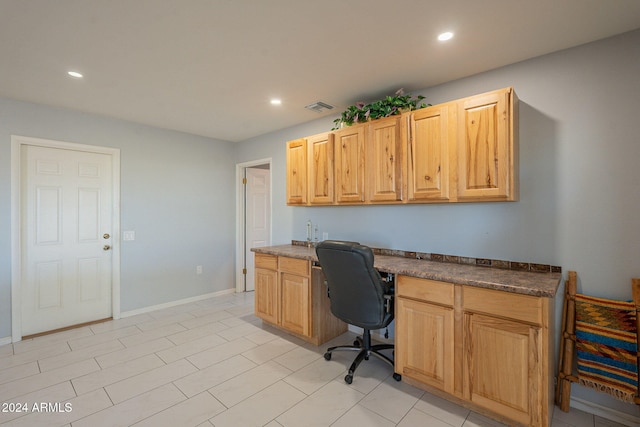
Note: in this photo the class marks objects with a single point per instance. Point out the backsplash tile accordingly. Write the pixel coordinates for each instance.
(455, 259)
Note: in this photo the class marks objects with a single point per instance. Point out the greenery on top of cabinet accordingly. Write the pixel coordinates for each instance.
(385, 107)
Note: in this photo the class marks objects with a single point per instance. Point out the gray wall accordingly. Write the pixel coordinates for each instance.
(171, 195)
(579, 177)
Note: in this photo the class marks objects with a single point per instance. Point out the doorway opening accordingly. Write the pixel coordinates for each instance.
(253, 217)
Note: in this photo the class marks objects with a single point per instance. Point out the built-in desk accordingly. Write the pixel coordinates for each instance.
(480, 336)
(519, 282)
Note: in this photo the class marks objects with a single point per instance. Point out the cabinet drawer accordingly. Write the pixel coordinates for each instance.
(270, 262)
(526, 308)
(425, 290)
(292, 265)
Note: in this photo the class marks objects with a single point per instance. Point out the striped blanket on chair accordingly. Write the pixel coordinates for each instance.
(606, 344)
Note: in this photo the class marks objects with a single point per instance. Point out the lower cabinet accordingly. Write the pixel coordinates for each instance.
(488, 350)
(295, 311)
(424, 331)
(502, 366)
(290, 294)
(266, 294)
(295, 295)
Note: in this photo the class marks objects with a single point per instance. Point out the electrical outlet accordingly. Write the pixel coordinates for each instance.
(198, 269)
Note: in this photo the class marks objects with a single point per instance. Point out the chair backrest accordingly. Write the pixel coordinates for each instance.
(356, 290)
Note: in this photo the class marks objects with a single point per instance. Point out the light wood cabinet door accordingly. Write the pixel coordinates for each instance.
(295, 312)
(267, 296)
(487, 147)
(502, 370)
(350, 164)
(297, 172)
(384, 160)
(431, 131)
(321, 174)
(292, 295)
(459, 151)
(425, 343)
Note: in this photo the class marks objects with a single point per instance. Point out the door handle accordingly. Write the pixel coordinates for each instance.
(106, 247)
(106, 236)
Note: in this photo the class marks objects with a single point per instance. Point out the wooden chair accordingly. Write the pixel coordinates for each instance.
(568, 340)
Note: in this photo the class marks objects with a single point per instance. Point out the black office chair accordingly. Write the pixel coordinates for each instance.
(359, 296)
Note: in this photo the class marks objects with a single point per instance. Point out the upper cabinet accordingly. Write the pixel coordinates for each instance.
(350, 164)
(384, 160)
(460, 151)
(369, 162)
(321, 172)
(297, 172)
(488, 147)
(430, 137)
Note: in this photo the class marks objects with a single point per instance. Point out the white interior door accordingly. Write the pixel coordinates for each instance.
(258, 217)
(66, 216)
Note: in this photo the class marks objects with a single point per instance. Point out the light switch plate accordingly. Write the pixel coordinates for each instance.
(128, 235)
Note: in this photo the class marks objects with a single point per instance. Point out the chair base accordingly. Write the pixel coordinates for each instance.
(364, 348)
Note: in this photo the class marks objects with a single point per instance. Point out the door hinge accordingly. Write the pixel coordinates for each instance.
(244, 271)
(244, 181)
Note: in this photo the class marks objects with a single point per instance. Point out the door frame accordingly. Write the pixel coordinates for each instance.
(241, 218)
(16, 222)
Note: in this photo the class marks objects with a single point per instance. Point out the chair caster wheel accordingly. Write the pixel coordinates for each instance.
(356, 343)
(397, 377)
(327, 356)
(348, 379)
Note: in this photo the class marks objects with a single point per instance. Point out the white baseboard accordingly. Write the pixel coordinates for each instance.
(604, 412)
(177, 302)
(5, 340)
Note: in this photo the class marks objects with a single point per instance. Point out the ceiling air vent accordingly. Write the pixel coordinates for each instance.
(319, 107)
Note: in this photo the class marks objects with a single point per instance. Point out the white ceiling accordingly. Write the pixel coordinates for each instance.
(210, 67)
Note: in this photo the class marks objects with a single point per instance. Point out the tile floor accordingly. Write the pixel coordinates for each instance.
(210, 363)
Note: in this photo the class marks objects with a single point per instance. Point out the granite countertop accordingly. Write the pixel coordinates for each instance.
(521, 282)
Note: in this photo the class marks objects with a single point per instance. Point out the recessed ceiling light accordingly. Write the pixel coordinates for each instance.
(75, 74)
(445, 36)
(276, 102)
